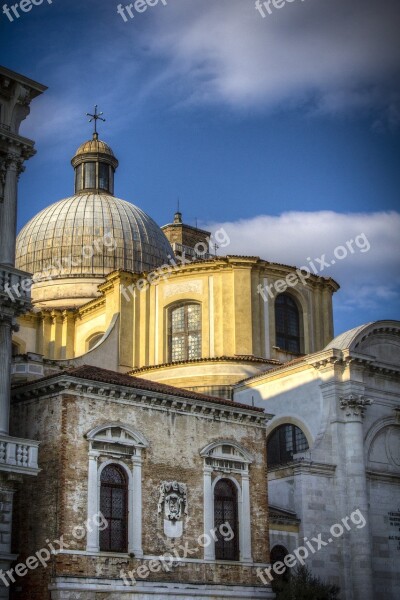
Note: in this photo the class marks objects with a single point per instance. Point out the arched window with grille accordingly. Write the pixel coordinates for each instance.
(283, 443)
(184, 332)
(226, 511)
(114, 508)
(287, 324)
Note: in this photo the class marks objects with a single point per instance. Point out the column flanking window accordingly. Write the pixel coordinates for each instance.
(227, 500)
(184, 332)
(115, 489)
(287, 324)
(114, 493)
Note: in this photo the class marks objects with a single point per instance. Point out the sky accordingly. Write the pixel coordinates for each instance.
(283, 128)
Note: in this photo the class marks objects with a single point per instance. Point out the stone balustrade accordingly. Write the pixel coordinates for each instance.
(14, 288)
(18, 455)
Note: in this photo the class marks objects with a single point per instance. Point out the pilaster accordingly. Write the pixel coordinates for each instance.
(11, 168)
(353, 407)
(209, 551)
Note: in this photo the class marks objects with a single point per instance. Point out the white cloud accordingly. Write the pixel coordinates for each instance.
(327, 56)
(367, 277)
(334, 54)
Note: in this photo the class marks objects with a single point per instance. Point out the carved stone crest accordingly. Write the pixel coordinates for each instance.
(173, 505)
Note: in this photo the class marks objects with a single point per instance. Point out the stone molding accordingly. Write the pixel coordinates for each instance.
(385, 477)
(158, 590)
(300, 466)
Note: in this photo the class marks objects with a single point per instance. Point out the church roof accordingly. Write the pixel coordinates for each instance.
(352, 338)
(94, 146)
(345, 339)
(90, 373)
(91, 235)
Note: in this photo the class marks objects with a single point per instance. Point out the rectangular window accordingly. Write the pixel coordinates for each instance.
(78, 178)
(90, 175)
(104, 176)
(185, 332)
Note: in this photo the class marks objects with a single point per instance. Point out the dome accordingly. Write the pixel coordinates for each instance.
(91, 235)
(94, 146)
(73, 244)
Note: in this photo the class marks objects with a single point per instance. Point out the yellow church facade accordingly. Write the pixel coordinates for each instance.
(111, 288)
(235, 330)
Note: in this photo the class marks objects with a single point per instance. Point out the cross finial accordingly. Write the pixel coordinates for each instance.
(96, 117)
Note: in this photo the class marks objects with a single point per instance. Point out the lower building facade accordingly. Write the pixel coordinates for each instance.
(333, 451)
(145, 491)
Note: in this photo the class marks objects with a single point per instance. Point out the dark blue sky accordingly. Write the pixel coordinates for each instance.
(239, 116)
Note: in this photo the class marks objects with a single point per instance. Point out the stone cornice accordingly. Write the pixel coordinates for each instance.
(24, 146)
(314, 468)
(198, 361)
(324, 359)
(91, 306)
(215, 264)
(300, 465)
(393, 478)
(73, 386)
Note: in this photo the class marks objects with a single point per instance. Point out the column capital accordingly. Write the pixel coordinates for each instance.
(13, 162)
(354, 405)
(137, 460)
(10, 321)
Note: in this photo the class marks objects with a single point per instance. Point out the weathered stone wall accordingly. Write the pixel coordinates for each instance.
(58, 498)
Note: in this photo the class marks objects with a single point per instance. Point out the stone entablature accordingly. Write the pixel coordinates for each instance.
(211, 409)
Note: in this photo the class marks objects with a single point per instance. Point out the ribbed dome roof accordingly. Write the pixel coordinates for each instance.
(91, 235)
(94, 145)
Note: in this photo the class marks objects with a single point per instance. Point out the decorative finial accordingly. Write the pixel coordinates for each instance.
(96, 117)
(178, 214)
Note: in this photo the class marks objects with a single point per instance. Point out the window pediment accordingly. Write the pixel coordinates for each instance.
(116, 438)
(226, 456)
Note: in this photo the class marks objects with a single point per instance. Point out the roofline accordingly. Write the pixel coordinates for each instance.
(36, 87)
(68, 375)
(358, 334)
(184, 225)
